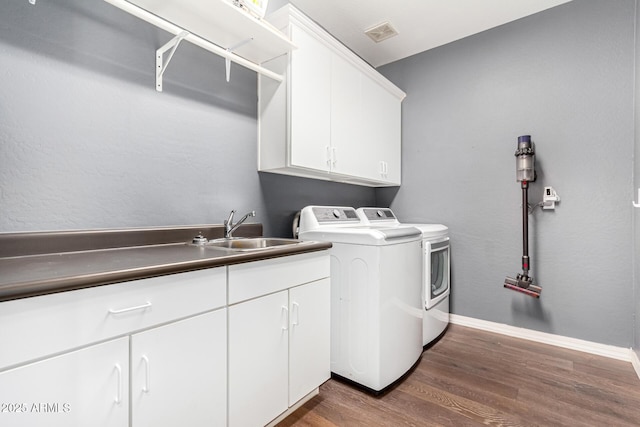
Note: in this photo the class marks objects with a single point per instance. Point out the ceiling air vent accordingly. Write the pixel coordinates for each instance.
(381, 32)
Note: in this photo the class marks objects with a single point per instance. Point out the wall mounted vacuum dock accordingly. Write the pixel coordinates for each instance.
(525, 173)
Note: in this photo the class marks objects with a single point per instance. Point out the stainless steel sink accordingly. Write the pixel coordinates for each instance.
(250, 243)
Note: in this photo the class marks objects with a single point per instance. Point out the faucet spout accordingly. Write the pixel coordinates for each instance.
(230, 227)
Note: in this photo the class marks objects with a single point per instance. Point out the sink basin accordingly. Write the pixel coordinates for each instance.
(251, 243)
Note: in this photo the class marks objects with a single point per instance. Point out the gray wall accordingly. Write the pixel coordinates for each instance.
(636, 176)
(87, 142)
(565, 76)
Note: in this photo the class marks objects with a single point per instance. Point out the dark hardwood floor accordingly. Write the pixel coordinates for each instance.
(471, 378)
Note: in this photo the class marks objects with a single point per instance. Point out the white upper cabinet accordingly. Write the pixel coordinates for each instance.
(311, 102)
(350, 154)
(381, 124)
(334, 117)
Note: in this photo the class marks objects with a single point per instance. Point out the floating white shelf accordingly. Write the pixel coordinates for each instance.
(215, 25)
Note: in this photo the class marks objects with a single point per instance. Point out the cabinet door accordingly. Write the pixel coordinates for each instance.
(382, 131)
(258, 343)
(365, 125)
(310, 102)
(309, 346)
(178, 373)
(88, 387)
(351, 154)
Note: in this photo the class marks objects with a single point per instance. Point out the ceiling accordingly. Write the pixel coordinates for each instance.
(421, 24)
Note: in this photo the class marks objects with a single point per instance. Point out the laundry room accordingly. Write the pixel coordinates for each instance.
(116, 123)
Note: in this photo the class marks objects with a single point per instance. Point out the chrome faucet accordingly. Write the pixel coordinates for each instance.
(229, 226)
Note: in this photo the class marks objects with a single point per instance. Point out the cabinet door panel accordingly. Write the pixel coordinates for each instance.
(88, 387)
(347, 119)
(178, 373)
(310, 85)
(309, 350)
(382, 130)
(258, 371)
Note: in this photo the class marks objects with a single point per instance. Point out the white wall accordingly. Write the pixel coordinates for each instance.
(565, 76)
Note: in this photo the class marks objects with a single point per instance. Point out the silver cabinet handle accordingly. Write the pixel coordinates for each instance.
(125, 310)
(285, 322)
(146, 388)
(118, 398)
(295, 313)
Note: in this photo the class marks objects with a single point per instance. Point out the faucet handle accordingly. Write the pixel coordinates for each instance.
(230, 219)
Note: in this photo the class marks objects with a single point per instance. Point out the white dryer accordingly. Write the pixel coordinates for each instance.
(376, 314)
(436, 268)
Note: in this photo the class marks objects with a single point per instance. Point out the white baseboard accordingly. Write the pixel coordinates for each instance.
(635, 361)
(605, 350)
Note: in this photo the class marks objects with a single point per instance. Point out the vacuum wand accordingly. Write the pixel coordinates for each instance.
(525, 228)
(525, 173)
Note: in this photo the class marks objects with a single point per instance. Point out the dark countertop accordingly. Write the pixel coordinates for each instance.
(28, 275)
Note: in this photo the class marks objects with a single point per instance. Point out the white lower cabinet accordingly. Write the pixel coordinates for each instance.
(279, 343)
(65, 357)
(87, 387)
(309, 335)
(179, 373)
(230, 346)
(278, 352)
(258, 372)
(178, 376)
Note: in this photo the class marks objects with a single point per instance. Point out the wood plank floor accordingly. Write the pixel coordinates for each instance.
(471, 378)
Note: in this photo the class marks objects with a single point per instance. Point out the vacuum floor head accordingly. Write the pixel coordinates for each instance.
(523, 284)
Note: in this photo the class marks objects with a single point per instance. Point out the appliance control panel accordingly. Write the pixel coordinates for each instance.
(335, 214)
(378, 214)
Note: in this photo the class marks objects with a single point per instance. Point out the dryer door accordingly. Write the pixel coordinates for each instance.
(437, 270)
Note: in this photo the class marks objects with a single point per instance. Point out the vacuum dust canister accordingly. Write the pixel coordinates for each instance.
(525, 159)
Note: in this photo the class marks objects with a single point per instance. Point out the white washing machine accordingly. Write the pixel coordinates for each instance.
(436, 269)
(376, 314)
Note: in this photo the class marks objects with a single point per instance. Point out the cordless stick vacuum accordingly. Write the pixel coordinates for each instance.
(525, 173)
